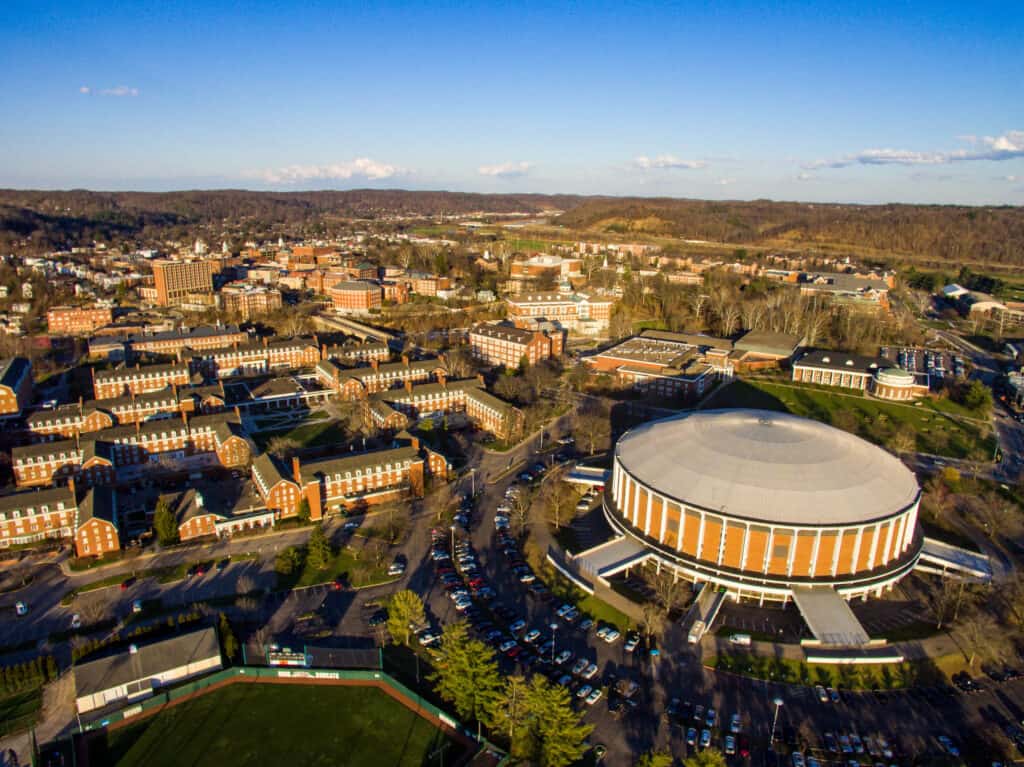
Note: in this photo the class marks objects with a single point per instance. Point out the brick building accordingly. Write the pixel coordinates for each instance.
(355, 296)
(98, 530)
(140, 379)
(509, 346)
(393, 409)
(248, 301)
(199, 338)
(77, 320)
(357, 352)
(37, 515)
(177, 282)
(360, 382)
(15, 386)
(348, 482)
(575, 312)
(68, 421)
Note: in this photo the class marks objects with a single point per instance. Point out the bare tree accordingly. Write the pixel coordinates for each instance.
(282, 447)
(653, 619)
(984, 638)
(557, 499)
(669, 590)
(593, 427)
(520, 513)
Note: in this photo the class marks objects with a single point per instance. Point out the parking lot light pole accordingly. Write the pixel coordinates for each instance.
(452, 528)
(778, 704)
(472, 480)
(554, 634)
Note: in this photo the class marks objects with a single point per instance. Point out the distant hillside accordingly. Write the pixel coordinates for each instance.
(930, 233)
(60, 219)
(927, 234)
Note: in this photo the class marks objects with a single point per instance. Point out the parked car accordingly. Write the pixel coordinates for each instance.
(563, 657)
(531, 636)
(594, 696)
(20, 608)
(76, 621)
(730, 745)
(691, 736)
(705, 738)
(821, 693)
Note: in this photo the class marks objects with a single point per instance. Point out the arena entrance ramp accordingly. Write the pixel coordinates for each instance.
(611, 557)
(829, 617)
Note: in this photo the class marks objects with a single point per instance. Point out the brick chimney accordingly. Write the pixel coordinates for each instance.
(297, 470)
(323, 351)
(72, 488)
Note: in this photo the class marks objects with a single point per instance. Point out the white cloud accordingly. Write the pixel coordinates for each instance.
(118, 91)
(725, 181)
(666, 162)
(506, 169)
(360, 167)
(1006, 147)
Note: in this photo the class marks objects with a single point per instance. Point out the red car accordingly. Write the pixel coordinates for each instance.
(126, 583)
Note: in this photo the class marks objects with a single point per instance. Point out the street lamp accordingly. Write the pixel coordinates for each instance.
(778, 704)
(554, 633)
(472, 480)
(452, 528)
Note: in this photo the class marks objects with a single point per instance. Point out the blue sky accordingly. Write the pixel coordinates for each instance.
(914, 102)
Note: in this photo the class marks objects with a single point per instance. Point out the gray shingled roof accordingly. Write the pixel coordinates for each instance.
(150, 659)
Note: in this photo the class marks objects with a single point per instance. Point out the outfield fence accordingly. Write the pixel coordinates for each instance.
(273, 675)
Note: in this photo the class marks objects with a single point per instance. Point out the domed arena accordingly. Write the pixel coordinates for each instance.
(760, 503)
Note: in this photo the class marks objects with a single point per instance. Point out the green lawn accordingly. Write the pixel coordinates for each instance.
(344, 566)
(19, 710)
(263, 724)
(596, 608)
(891, 676)
(306, 435)
(110, 580)
(934, 428)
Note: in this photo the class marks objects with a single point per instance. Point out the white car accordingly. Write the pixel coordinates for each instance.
(590, 671)
(631, 643)
(531, 636)
(584, 691)
(21, 608)
(612, 636)
(594, 697)
(735, 724)
(396, 568)
(563, 657)
(76, 621)
(518, 626)
(561, 611)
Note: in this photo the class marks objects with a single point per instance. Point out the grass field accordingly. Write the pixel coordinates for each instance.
(937, 426)
(890, 676)
(343, 566)
(306, 435)
(262, 724)
(19, 710)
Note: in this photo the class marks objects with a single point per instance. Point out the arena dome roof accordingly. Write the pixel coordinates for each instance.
(769, 467)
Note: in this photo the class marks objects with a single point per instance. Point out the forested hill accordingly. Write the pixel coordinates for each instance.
(939, 233)
(56, 219)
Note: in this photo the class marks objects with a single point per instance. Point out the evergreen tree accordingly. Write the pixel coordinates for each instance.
(466, 674)
(318, 554)
(405, 610)
(554, 736)
(164, 524)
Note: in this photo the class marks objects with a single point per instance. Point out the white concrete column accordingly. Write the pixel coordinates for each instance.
(647, 514)
(794, 537)
(888, 542)
(768, 551)
(700, 535)
(746, 546)
(664, 518)
(636, 502)
(901, 535)
(856, 548)
(911, 524)
(835, 552)
(876, 534)
(814, 553)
